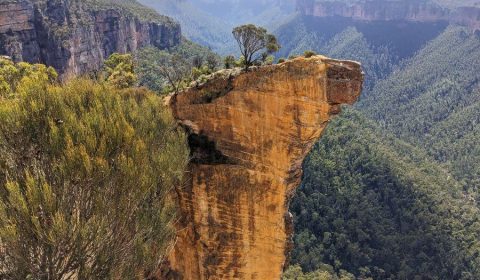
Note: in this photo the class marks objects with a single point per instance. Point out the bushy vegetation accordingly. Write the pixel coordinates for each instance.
(149, 61)
(120, 71)
(381, 209)
(85, 173)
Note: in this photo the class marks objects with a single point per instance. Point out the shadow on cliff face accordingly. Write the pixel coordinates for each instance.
(204, 151)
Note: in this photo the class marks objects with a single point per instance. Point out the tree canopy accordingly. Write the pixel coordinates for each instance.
(255, 43)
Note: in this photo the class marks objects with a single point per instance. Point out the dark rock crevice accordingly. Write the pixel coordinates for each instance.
(204, 151)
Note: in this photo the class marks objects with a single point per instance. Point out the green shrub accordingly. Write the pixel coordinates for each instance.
(120, 70)
(229, 62)
(85, 170)
(309, 54)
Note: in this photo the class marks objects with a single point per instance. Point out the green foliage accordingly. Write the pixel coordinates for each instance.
(240, 62)
(14, 76)
(197, 24)
(85, 172)
(202, 71)
(378, 207)
(128, 7)
(281, 60)
(375, 205)
(379, 46)
(212, 62)
(229, 62)
(269, 60)
(149, 60)
(251, 40)
(120, 70)
(164, 72)
(437, 90)
(326, 272)
(309, 54)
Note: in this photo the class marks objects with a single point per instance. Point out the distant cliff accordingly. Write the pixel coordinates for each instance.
(381, 10)
(75, 36)
(249, 134)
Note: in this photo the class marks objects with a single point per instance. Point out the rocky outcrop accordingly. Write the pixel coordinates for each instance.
(401, 10)
(74, 37)
(249, 134)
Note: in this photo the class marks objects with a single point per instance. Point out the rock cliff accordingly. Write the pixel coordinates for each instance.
(401, 10)
(76, 36)
(249, 134)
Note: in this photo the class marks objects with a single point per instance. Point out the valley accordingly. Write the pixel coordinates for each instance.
(390, 188)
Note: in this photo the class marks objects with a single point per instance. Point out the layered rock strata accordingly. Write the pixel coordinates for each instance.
(395, 10)
(74, 37)
(249, 134)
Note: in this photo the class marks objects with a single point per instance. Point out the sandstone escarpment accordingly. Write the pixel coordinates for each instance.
(395, 10)
(249, 134)
(75, 37)
(375, 10)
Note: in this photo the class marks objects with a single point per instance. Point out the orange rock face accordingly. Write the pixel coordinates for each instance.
(249, 134)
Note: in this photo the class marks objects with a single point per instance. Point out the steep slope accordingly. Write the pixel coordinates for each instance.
(248, 135)
(76, 36)
(438, 92)
(380, 45)
(381, 208)
(408, 156)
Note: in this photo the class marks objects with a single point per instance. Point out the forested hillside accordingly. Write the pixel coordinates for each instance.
(380, 46)
(381, 208)
(390, 191)
(437, 90)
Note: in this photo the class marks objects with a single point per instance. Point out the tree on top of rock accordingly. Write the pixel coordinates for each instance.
(255, 43)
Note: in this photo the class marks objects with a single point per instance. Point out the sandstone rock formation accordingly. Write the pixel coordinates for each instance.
(74, 37)
(395, 10)
(249, 134)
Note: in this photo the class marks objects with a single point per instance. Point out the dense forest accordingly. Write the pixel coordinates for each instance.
(437, 90)
(391, 190)
(387, 190)
(381, 208)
